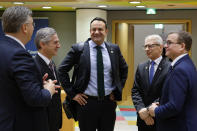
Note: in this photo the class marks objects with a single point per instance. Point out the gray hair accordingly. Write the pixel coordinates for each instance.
(44, 35)
(155, 37)
(14, 17)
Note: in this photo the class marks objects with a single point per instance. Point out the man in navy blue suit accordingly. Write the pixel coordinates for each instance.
(178, 108)
(23, 94)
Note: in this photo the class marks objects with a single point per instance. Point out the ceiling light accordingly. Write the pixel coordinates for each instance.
(140, 6)
(158, 26)
(150, 11)
(102, 6)
(46, 7)
(18, 3)
(134, 2)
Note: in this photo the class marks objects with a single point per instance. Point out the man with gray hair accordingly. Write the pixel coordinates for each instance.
(24, 93)
(148, 81)
(47, 43)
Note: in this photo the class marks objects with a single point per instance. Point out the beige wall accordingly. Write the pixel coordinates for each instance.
(170, 14)
(65, 24)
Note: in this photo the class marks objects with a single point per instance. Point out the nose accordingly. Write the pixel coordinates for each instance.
(58, 45)
(96, 31)
(165, 45)
(146, 48)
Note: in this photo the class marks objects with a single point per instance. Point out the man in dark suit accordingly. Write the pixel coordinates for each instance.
(178, 107)
(101, 76)
(149, 79)
(22, 96)
(47, 43)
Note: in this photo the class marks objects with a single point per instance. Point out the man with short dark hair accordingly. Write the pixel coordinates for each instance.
(47, 43)
(148, 83)
(177, 110)
(102, 72)
(23, 95)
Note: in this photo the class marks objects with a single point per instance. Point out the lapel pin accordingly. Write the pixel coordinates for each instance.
(112, 51)
(159, 68)
(146, 67)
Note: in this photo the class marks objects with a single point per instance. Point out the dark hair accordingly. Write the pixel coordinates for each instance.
(99, 19)
(14, 17)
(184, 37)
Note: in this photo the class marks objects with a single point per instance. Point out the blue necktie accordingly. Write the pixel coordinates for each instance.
(100, 74)
(151, 71)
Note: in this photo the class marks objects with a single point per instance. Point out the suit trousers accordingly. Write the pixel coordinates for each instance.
(97, 114)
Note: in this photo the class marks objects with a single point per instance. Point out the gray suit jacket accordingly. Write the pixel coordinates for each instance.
(144, 93)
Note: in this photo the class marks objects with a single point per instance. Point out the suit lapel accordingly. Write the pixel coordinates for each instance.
(44, 67)
(112, 57)
(147, 73)
(85, 56)
(158, 71)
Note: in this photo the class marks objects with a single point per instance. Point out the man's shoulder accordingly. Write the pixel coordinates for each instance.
(78, 46)
(142, 64)
(111, 44)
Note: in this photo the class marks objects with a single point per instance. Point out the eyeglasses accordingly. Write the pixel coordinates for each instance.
(168, 43)
(150, 46)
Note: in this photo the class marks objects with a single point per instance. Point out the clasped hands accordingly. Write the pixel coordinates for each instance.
(147, 114)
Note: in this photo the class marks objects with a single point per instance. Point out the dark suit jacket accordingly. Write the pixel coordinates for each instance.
(21, 92)
(119, 69)
(144, 93)
(54, 109)
(178, 110)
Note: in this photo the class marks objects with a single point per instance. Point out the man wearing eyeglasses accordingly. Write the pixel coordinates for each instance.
(178, 107)
(149, 79)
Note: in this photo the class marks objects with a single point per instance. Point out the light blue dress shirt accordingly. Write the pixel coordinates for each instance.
(92, 85)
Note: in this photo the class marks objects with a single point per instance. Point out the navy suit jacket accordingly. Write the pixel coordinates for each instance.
(22, 96)
(178, 106)
(119, 69)
(54, 109)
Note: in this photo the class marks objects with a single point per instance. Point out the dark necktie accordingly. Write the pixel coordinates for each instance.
(52, 68)
(100, 74)
(151, 71)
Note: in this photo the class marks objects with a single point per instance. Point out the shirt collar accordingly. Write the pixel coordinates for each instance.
(157, 61)
(93, 44)
(47, 61)
(178, 58)
(12, 37)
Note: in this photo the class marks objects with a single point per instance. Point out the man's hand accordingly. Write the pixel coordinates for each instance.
(149, 120)
(50, 86)
(143, 113)
(111, 97)
(152, 109)
(45, 77)
(81, 98)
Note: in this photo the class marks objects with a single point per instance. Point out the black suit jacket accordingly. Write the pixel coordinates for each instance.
(119, 69)
(144, 93)
(54, 109)
(22, 97)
